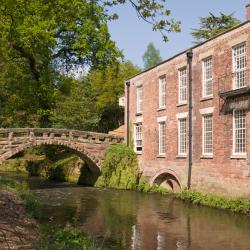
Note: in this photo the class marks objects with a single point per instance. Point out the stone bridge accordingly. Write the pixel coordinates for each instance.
(90, 146)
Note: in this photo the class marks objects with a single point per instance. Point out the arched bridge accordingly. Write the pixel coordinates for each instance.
(90, 146)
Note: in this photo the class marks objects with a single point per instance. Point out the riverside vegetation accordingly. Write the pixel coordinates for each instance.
(45, 237)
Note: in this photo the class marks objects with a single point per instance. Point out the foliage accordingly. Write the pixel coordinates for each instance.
(17, 165)
(66, 238)
(21, 190)
(108, 86)
(39, 42)
(145, 187)
(153, 12)
(213, 25)
(236, 205)
(151, 56)
(119, 168)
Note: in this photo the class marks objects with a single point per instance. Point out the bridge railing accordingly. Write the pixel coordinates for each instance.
(57, 133)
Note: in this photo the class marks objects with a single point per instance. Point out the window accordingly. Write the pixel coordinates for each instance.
(239, 66)
(207, 134)
(162, 138)
(138, 137)
(207, 77)
(139, 99)
(182, 136)
(183, 86)
(239, 132)
(162, 92)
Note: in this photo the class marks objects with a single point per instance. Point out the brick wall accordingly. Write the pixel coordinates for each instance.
(219, 174)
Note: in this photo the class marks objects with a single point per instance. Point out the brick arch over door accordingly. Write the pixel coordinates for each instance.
(89, 146)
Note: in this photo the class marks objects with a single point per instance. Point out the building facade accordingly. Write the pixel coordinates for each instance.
(188, 117)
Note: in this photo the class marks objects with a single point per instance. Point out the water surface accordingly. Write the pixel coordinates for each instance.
(132, 220)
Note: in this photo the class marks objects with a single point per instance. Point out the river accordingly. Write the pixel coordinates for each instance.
(116, 219)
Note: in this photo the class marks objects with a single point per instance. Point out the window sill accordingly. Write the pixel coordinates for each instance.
(207, 98)
(238, 156)
(181, 104)
(181, 156)
(161, 156)
(138, 153)
(161, 109)
(206, 156)
(138, 114)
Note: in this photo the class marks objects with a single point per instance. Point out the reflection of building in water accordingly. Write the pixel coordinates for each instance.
(160, 242)
(135, 238)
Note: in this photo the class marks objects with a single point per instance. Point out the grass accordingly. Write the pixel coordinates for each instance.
(236, 205)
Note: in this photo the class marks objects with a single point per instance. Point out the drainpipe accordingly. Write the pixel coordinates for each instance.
(127, 107)
(190, 116)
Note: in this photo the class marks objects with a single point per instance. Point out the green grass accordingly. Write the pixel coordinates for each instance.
(235, 205)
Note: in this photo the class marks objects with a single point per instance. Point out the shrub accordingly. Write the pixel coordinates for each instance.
(120, 168)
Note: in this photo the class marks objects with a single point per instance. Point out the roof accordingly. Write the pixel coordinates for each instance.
(185, 51)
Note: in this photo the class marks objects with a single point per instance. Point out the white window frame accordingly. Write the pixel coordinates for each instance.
(204, 132)
(162, 141)
(137, 137)
(244, 153)
(239, 72)
(182, 75)
(139, 98)
(162, 92)
(179, 137)
(207, 62)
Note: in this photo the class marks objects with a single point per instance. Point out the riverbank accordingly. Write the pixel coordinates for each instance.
(20, 227)
(17, 229)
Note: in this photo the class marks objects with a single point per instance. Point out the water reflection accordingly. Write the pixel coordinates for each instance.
(130, 220)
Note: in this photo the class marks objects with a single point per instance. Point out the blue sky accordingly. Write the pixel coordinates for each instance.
(133, 35)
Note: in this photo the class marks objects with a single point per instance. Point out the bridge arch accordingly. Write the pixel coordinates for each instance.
(168, 179)
(89, 146)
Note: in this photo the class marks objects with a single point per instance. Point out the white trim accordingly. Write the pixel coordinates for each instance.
(161, 119)
(235, 154)
(162, 80)
(181, 86)
(182, 115)
(159, 138)
(204, 80)
(139, 119)
(179, 144)
(207, 111)
(135, 139)
(138, 84)
(203, 135)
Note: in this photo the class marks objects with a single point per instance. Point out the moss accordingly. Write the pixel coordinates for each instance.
(17, 165)
(236, 205)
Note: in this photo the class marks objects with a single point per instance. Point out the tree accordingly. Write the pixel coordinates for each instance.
(213, 25)
(151, 57)
(41, 41)
(92, 103)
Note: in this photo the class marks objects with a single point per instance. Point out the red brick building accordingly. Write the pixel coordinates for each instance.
(205, 88)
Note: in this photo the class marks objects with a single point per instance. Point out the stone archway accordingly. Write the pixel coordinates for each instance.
(168, 179)
(89, 146)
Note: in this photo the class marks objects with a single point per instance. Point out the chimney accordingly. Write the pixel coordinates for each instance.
(248, 12)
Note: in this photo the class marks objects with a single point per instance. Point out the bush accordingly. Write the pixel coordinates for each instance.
(233, 204)
(67, 239)
(120, 168)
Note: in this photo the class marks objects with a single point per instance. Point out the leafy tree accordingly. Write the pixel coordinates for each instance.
(213, 25)
(151, 57)
(108, 85)
(92, 103)
(41, 41)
